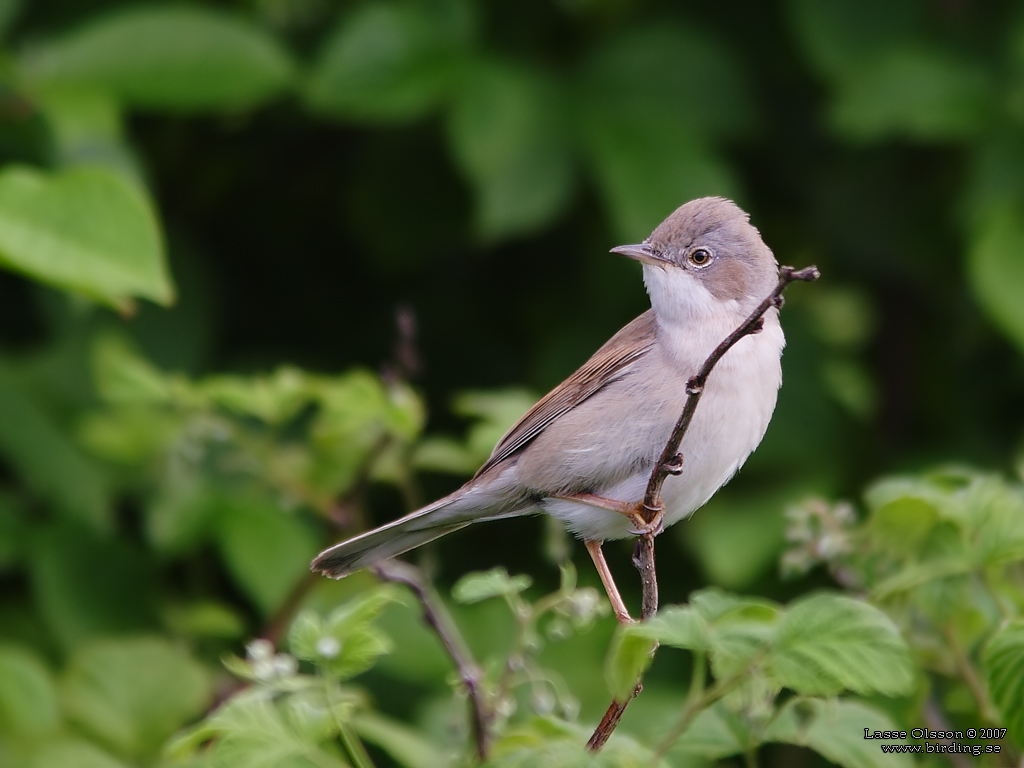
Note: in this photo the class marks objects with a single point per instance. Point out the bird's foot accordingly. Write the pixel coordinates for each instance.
(650, 523)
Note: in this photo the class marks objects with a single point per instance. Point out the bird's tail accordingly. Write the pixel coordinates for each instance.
(431, 522)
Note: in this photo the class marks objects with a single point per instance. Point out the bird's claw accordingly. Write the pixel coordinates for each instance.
(653, 527)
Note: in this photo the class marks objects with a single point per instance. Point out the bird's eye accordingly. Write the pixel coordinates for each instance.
(701, 257)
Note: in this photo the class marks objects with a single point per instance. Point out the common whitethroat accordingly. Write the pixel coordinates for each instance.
(586, 450)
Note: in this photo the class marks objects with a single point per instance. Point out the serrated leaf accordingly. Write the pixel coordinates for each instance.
(390, 61)
(828, 643)
(920, 574)
(507, 129)
(346, 643)
(676, 626)
(628, 658)
(739, 629)
(133, 694)
(177, 57)
(995, 264)
(251, 731)
(84, 230)
(28, 697)
(1003, 657)
(916, 92)
(835, 729)
(483, 585)
(716, 733)
(551, 742)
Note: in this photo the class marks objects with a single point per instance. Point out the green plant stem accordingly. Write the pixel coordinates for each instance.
(354, 747)
(986, 579)
(694, 705)
(750, 758)
(698, 678)
(970, 676)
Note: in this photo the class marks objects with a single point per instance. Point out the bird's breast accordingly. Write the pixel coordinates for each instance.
(608, 445)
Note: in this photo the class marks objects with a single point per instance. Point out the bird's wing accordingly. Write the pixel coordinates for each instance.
(610, 363)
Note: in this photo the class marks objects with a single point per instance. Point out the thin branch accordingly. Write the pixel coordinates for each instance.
(671, 462)
(435, 614)
(670, 459)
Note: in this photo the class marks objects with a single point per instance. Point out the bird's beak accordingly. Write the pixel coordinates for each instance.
(641, 252)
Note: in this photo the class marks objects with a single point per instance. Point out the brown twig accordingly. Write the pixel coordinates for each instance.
(670, 459)
(437, 617)
(670, 463)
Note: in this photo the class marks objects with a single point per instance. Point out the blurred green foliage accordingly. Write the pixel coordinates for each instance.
(415, 196)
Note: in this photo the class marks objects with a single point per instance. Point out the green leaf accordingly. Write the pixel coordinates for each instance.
(405, 745)
(346, 643)
(180, 58)
(122, 375)
(628, 658)
(130, 435)
(85, 124)
(47, 461)
(546, 741)
(85, 230)
(390, 61)
(483, 585)
(274, 399)
(508, 131)
(204, 619)
(133, 694)
(64, 751)
(995, 265)
(716, 733)
(266, 550)
(739, 629)
(79, 600)
(493, 413)
(916, 92)
(736, 542)
(842, 35)
(251, 731)
(13, 531)
(681, 74)
(645, 169)
(28, 697)
(835, 729)
(677, 626)
(1003, 658)
(828, 643)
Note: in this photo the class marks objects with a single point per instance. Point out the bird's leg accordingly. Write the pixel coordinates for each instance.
(621, 612)
(637, 512)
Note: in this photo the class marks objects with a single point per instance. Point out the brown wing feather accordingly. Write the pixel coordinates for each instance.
(612, 361)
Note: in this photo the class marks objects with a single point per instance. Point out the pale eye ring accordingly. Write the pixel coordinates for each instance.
(700, 257)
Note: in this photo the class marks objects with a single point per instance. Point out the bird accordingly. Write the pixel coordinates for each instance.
(584, 452)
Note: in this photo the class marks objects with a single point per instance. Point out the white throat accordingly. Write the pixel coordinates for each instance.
(679, 299)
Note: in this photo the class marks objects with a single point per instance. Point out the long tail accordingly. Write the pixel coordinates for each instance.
(431, 522)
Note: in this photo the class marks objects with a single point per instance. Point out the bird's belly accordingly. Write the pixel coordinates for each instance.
(727, 426)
